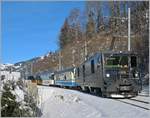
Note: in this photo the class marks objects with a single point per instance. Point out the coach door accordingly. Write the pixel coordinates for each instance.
(83, 70)
(100, 69)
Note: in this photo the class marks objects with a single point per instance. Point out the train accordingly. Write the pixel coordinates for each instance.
(108, 74)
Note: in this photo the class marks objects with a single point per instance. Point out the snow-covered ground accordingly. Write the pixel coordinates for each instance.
(145, 90)
(64, 103)
(4, 66)
(10, 76)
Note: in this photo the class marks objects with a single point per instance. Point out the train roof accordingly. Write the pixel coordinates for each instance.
(49, 71)
(65, 70)
(110, 52)
(118, 52)
(114, 52)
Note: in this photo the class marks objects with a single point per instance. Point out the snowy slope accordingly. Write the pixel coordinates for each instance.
(2, 66)
(63, 103)
(11, 76)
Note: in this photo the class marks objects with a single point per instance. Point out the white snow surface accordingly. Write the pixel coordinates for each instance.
(42, 57)
(19, 94)
(2, 66)
(11, 76)
(64, 103)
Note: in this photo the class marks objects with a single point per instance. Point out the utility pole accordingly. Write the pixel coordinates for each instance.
(60, 60)
(31, 71)
(129, 45)
(73, 57)
(129, 38)
(85, 49)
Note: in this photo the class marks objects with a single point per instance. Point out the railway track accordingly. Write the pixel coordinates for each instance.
(144, 95)
(135, 102)
(139, 101)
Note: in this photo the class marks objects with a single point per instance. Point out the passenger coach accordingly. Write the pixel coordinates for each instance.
(66, 78)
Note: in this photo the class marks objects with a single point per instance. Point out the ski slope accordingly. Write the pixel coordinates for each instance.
(64, 103)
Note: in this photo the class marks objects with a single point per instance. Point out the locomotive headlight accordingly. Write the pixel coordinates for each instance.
(107, 75)
(136, 74)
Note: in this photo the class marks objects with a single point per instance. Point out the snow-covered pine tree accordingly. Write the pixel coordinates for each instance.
(8, 101)
(11, 107)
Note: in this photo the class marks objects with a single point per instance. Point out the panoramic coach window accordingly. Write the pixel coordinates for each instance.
(92, 66)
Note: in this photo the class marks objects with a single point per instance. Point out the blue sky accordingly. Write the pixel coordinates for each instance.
(31, 29)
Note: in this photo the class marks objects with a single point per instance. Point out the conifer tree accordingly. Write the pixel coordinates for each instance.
(90, 28)
(64, 34)
(8, 102)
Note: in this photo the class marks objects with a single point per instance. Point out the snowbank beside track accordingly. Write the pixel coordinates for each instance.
(63, 103)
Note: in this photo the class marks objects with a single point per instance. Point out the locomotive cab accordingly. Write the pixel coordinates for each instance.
(110, 73)
(121, 74)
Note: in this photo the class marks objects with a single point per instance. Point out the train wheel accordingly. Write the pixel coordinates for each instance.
(92, 90)
(86, 89)
(104, 95)
(98, 91)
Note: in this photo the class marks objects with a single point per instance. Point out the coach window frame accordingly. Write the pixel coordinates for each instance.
(83, 67)
(92, 66)
(78, 71)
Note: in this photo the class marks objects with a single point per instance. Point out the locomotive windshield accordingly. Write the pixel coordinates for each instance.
(118, 65)
(114, 60)
(120, 61)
